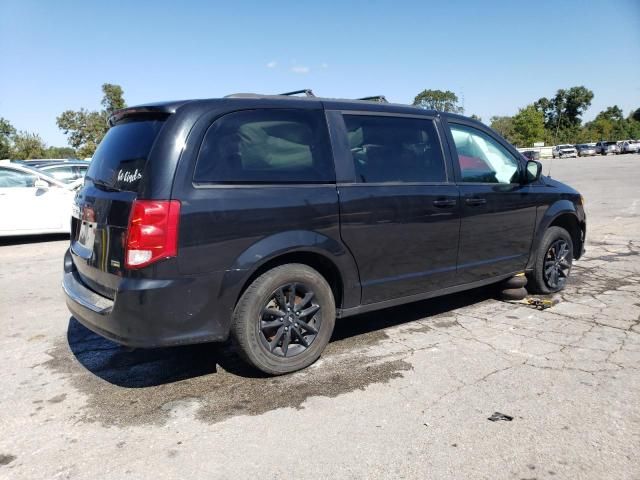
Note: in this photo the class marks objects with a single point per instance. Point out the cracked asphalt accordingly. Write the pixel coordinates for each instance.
(401, 393)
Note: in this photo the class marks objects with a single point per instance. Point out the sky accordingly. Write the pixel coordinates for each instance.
(496, 56)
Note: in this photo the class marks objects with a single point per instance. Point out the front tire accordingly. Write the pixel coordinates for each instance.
(284, 319)
(553, 262)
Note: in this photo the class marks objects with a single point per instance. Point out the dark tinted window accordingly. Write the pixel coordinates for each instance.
(394, 149)
(266, 146)
(120, 159)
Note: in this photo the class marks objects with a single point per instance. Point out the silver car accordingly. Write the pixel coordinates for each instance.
(585, 149)
(630, 146)
(564, 151)
(605, 148)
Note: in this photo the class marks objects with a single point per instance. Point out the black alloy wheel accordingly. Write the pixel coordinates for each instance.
(290, 320)
(557, 264)
(553, 260)
(284, 319)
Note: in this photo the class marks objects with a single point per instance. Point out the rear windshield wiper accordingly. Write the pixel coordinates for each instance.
(102, 185)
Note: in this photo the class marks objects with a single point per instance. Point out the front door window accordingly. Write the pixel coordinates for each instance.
(482, 159)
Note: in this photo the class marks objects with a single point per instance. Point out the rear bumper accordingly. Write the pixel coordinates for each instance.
(151, 313)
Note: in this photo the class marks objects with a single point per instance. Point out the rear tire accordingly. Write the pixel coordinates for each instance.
(553, 262)
(284, 319)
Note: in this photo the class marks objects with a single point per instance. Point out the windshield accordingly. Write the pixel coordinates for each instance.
(121, 157)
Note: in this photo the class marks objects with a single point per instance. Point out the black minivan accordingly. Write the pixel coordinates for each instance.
(265, 217)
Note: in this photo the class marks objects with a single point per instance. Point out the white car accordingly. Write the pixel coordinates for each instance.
(560, 151)
(33, 202)
(630, 146)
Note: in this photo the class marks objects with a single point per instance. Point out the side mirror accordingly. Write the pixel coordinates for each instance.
(41, 184)
(533, 171)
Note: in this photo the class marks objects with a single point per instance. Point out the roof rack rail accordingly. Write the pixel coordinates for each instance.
(307, 91)
(375, 98)
(243, 95)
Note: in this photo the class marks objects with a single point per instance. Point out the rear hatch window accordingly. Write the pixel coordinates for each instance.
(103, 206)
(120, 160)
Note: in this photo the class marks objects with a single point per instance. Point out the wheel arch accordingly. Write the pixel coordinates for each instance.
(570, 222)
(561, 214)
(319, 262)
(318, 251)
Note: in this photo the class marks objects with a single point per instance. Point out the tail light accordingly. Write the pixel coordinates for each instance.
(153, 232)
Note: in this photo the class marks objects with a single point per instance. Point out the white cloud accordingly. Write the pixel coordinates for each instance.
(300, 69)
(324, 65)
(272, 64)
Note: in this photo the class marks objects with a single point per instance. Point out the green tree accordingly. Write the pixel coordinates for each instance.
(445, 101)
(60, 152)
(113, 98)
(563, 112)
(85, 129)
(610, 124)
(6, 131)
(528, 126)
(27, 146)
(599, 129)
(634, 124)
(504, 126)
(613, 114)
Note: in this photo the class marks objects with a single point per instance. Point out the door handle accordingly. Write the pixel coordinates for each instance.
(442, 203)
(475, 201)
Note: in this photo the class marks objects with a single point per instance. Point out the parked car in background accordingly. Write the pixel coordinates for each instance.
(585, 150)
(630, 146)
(33, 202)
(531, 154)
(561, 151)
(67, 172)
(605, 148)
(36, 162)
(278, 214)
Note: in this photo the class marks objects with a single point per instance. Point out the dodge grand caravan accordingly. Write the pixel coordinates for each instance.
(265, 217)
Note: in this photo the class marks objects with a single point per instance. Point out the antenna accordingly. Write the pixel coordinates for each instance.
(550, 163)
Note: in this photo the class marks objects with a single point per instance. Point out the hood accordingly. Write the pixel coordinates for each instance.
(551, 182)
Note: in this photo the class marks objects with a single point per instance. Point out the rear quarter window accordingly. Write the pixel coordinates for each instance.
(121, 158)
(266, 146)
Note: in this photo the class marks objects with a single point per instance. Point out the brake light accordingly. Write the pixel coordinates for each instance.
(153, 232)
